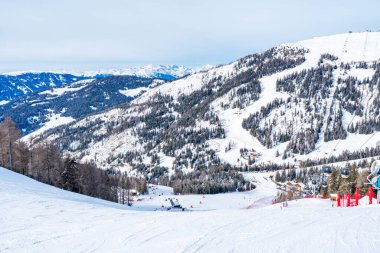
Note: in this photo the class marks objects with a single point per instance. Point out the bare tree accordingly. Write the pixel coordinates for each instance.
(9, 134)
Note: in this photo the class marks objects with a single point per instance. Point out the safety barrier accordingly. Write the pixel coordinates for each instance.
(347, 200)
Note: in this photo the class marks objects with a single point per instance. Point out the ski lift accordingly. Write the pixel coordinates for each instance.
(373, 177)
(345, 172)
(327, 170)
(375, 167)
(306, 188)
(374, 181)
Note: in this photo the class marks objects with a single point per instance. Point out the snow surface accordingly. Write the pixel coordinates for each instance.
(55, 120)
(349, 47)
(133, 92)
(40, 218)
(70, 88)
(361, 74)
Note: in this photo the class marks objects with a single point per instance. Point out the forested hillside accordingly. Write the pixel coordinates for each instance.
(296, 104)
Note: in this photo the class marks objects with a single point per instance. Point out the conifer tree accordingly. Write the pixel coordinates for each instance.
(70, 175)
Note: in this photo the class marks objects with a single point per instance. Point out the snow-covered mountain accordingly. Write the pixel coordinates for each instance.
(167, 72)
(173, 71)
(294, 103)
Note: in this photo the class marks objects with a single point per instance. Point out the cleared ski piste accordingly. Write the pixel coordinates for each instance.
(38, 218)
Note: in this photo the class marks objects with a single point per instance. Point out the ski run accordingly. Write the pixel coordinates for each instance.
(39, 218)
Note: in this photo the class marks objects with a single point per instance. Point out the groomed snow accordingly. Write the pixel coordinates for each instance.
(349, 47)
(39, 218)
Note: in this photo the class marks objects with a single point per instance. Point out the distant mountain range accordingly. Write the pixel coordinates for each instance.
(167, 72)
(18, 84)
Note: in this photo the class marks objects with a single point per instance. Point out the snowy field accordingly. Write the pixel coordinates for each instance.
(39, 218)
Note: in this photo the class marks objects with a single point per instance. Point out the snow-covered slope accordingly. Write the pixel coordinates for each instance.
(189, 84)
(349, 47)
(307, 100)
(39, 218)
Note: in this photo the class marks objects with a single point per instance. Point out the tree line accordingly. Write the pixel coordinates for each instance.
(45, 164)
(334, 183)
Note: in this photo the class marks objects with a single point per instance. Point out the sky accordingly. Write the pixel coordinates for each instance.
(96, 34)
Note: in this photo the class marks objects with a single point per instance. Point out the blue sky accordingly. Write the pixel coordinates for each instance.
(93, 34)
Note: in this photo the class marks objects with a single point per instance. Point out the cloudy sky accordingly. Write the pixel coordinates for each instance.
(93, 34)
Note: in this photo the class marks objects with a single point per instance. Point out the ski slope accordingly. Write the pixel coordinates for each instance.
(38, 218)
(349, 47)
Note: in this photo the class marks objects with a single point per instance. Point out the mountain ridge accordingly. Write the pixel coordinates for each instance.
(288, 104)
